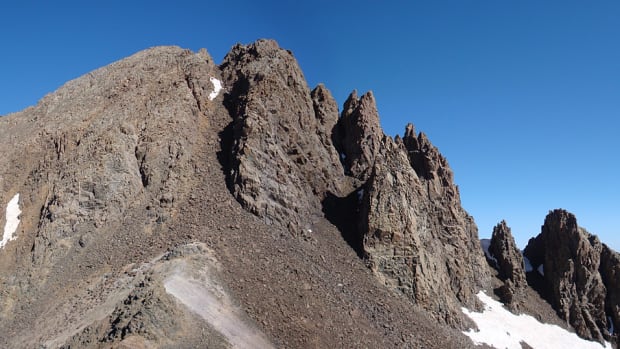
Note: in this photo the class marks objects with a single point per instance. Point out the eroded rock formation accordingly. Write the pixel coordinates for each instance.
(291, 153)
(282, 161)
(509, 264)
(571, 258)
(417, 237)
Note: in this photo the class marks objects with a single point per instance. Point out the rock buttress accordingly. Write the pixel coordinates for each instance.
(282, 161)
(509, 264)
(416, 236)
(571, 259)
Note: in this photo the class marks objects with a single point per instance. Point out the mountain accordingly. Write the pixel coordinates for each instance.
(165, 201)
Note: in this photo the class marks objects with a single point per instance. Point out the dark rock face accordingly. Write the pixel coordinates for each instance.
(287, 157)
(610, 273)
(571, 259)
(416, 236)
(282, 161)
(509, 264)
(359, 134)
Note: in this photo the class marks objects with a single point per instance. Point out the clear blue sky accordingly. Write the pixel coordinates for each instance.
(522, 97)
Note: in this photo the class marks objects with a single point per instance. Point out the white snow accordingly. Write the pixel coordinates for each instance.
(217, 87)
(485, 243)
(12, 220)
(541, 270)
(360, 194)
(500, 328)
(611, 325)
(528, 265)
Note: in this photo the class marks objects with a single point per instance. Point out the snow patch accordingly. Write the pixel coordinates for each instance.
(528, 264)
(485, 243)
(500, 328)
(217, 87)
(12, 220)
(541, 270)
(610, 321)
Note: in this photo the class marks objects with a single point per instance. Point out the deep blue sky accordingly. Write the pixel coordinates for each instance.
(522, 97)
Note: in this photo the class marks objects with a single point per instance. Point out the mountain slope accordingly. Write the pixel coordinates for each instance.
(164, 201)
(119, 172)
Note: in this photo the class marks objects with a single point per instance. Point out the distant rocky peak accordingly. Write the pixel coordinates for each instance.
(509, 263)
(509, 259)
(571, 258)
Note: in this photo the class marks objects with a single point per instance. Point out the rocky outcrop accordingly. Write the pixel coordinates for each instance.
(416, 236)
(292, 158)
(359, 135)
(281, 160)
(509, 259)
(571, 258)
(610, 273)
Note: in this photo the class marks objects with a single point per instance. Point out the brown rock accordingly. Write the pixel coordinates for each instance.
(509, 264)
(416, 236)
(282, 161)
(359, 134)
(571, 260)
(610, 273)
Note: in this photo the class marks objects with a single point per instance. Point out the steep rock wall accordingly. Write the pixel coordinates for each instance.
(571, 259)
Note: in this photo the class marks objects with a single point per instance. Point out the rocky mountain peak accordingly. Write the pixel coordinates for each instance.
(292, 159)
(416, 236)
(359, 134)
(510, 264)
(281, 162)
(165, 175)
(571, 259)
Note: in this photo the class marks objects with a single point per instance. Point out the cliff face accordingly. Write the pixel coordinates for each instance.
(281, 158)
(577, 280)
(507, 256)
(287, 142)
(416, 236)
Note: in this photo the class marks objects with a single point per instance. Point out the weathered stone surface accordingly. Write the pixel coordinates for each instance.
(359, 135)
(124, 165)
(571, 259)
(103, 166)
(610, 273)
(282, 162)
(509, 264)
(416, 236)
(285, 162)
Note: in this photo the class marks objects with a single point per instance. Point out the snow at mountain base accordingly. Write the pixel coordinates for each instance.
(12, 220)
(500, 328)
